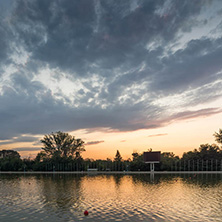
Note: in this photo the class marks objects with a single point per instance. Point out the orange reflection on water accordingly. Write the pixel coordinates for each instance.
(64, 197)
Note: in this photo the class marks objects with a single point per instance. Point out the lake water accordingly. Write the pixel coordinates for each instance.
(64, 197)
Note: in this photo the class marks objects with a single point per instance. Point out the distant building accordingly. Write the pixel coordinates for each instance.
(9, 153)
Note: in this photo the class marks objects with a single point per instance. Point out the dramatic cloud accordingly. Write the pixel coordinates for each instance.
(118, 66)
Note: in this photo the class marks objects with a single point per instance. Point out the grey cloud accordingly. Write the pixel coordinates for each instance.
(58, 33)
(194, 114)
(94, 142)
(19, 140)
(185, 115)
(206, 93)
(62, 33)
(160, 134)
(194, 66)
(40, 113)
(27, 149)
(2, 43)
(109, 40)
(37, 143)
(4, 46)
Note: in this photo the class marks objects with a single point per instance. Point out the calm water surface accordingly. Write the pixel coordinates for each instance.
(111, 197)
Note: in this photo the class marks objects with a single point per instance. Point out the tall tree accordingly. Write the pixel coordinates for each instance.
(118, 156)
(9, 154)
(167, 160)
(10, 160)
(218, 136)
(136, 156)
(62, 145)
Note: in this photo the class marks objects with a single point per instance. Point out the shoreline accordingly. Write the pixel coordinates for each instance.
(110, 172)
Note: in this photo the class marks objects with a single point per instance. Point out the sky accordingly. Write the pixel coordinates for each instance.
(121, 75)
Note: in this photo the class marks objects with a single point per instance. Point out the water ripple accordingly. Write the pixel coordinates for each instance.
(110, 198)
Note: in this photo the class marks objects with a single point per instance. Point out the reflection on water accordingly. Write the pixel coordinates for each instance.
(111, 197)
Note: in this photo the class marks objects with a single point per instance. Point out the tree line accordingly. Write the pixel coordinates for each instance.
(63, 152)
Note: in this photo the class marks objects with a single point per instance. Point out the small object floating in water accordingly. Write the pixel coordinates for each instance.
(86, 213)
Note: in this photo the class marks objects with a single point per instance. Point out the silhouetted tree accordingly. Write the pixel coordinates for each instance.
(218, 136)
(9, 153)
(10, 161)
(167, 160)
(191, 155)
(207, 151)
(41, 156)
(136, 156)
(138, 162)
(61, 145)
(28, 164)
(118, 156)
